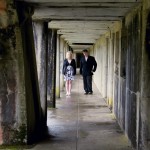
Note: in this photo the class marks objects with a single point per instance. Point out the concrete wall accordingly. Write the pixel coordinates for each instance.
(145, 80)
(13, 119)
(22, 118)
(123, 73)
(100, 51)
(35, 126)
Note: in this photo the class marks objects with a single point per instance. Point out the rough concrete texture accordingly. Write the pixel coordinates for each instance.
(40, 40)
(145, 80)
(51, 70)
(62, 43)
(119, 72)
(12, 88)
(82, 122)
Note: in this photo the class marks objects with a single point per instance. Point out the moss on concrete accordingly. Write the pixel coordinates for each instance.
(19, 135)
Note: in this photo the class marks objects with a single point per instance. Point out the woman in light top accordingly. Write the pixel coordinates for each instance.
(69, 71)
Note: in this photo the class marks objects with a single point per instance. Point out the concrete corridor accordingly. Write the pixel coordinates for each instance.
(82, 122)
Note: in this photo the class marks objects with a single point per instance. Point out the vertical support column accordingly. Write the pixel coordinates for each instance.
(109, 98)
(40, 39)
(34, 111)
(116, 74)
(58, 67)
(105, 66)
(51, 70)
(111, 73)
(145, 82)
(13, 113)
(66, 49)
(123, 57)
(61, 63)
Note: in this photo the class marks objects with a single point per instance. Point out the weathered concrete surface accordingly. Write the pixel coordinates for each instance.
(82, 122)
(82, 21)
(13, 119)
(145, 81)
(41, 47)
(124, 72)
(62, 43)
(58, 67)
(133, 76)
(51, 70)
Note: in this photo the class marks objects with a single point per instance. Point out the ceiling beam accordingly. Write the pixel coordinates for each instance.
(80, 24)
(80, 40)
(80, 13)
(90, 31)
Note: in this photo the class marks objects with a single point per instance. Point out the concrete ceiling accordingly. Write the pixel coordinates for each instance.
(81, 22)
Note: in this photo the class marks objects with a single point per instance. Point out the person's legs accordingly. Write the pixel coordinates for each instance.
(70, 86)
(89, 84)
(85, 84)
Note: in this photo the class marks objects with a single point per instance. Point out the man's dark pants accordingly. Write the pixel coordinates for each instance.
(87, 81)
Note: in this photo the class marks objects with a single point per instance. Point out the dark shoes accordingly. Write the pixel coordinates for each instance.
(85, 93)
(88, 93)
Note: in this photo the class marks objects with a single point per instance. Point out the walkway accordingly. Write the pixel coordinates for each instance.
(83, 122)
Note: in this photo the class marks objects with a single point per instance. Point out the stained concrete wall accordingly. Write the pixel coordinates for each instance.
(145, 80)
(58, 67)
(35, 126)
(21, 119)
(13, 119)
(122, 75)
(101, 58)
(133, 75)
(51, 70)
(120, 87)
(40, 30)
(62, 44)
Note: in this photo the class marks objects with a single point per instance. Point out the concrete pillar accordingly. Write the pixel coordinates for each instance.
(110, 75)
(61, 63)
(116, 73)
(40, 40)
(101, 56)
(58, 67)
(51, 70)
(133, 78)
(144, 127)
(122, 73)
(105, 66)
(66, 49)
(111, 79)
(34, 111)
(20, 107)
(13, 115)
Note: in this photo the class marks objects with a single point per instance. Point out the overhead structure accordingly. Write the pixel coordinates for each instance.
(81, 22)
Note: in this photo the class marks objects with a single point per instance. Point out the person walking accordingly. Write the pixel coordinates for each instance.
(69, 71)
(88, 65)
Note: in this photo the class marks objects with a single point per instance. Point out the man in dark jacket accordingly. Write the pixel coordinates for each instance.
(88, 65)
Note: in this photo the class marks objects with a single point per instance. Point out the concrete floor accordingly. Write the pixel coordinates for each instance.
(82, 122)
